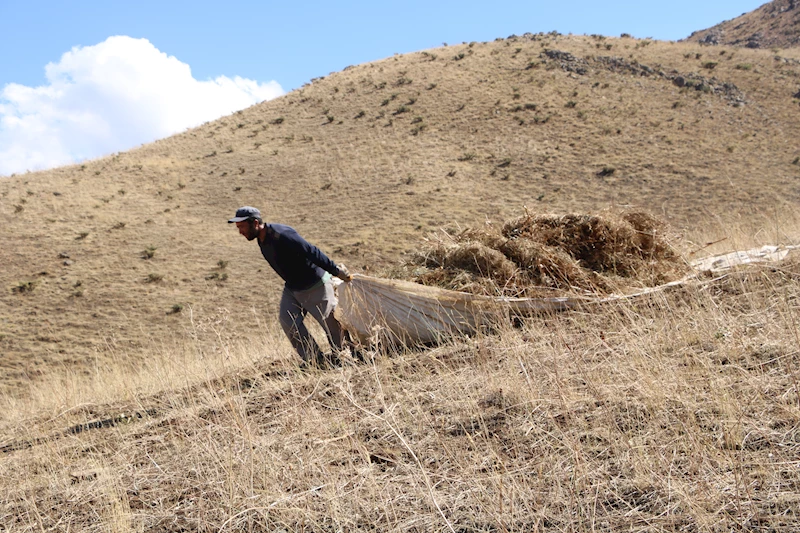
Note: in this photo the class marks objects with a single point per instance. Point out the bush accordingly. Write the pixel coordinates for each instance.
(24, 287)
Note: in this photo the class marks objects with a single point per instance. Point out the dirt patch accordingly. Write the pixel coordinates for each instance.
(538, 254)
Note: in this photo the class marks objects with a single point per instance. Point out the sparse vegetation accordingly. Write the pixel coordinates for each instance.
(24, 287)
(606, 171)
(675, 411)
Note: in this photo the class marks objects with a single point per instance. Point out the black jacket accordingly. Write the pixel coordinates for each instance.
(299, 263)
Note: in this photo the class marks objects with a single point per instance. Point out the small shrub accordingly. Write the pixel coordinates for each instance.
(606, 171)
(571, 104)
(330, 118)
(24, 287)
(504, 163)
(744, 66)
(467, 157)
(176, 308)
(82, 235)
(222, 263)
(149, 252)
(154, 278)
(710, 65)
(361, 114)
(459, 57)
(796, 161)
(400, 110)
(277, 121)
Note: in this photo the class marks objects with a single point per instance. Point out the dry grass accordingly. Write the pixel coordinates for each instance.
(676, 413)
(507, 126)
(126, 293)
(533, 255)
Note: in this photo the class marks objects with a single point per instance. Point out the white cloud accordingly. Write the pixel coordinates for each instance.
(110, 97)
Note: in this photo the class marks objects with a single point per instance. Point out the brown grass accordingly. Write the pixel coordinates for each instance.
(675, 413)
(535, 253)
(367, 192)
(679, 412)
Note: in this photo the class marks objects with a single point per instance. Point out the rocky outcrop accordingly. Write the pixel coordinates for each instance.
(570, 63)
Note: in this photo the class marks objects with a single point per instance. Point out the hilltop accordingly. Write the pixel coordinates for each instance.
(774, 25)
(120, 257)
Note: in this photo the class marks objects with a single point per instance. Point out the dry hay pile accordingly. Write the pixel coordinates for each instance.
(537, 255)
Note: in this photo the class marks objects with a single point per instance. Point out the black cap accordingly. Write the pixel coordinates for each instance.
(245, 213)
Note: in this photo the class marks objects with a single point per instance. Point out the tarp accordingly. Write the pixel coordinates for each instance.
(377, 310)
(727, 261)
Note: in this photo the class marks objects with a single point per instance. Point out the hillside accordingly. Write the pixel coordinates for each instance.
(673, 413)
(108, 262)
(146, 385)
(776, 24)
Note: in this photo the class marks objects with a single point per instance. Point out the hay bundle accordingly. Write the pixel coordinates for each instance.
(532, 253)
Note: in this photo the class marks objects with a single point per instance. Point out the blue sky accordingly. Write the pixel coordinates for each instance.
(221, 56)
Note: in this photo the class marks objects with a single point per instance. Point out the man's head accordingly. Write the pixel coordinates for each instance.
(248, 221)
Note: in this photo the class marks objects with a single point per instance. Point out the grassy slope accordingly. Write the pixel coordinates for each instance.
(366, 188)
(676, 413)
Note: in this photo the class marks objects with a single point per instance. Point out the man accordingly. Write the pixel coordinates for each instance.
(308, 289)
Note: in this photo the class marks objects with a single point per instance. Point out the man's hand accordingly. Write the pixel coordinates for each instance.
(343, 274)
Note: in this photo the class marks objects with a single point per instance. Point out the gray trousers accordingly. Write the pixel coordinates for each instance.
(319, 302)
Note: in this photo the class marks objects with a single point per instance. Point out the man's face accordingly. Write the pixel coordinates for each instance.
(248, 229)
